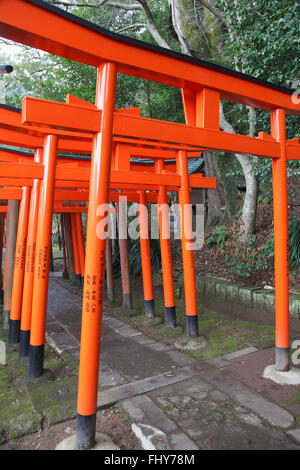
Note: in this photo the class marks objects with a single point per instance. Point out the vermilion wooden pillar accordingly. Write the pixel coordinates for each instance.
(146, 256)
(80, 241)
(19, 268)
(187, 250)
(109, 272)
(10, 249)
(63, 244)
(29, 262)
(42, 261)
(201, 108)
(69, 246)
(75, 249)
(95, 261)
(165, 250)
(124, 260)
(281, 243)
(1, 252)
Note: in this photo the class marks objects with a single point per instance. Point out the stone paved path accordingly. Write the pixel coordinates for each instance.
(174, 401)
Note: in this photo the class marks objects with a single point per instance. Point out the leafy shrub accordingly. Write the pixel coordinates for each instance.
(247, 259)
(218, 236)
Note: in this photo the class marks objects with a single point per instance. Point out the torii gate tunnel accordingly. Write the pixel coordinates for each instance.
(203, 85)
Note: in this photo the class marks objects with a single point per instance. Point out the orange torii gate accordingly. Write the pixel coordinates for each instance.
(60, 118)
(49, 113)
(15, 321)
(19, 325)
(43, 26)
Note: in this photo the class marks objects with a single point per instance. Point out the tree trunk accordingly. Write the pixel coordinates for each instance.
(215, 198)
(250, 202)
(247, 227)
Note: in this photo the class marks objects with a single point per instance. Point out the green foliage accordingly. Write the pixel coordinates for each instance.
(218, 236)
(262, 40)
(266, 256)
(248, 259)
(52, 77)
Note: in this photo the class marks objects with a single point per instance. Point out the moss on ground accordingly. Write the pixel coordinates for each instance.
(294, 399)
(25, 402)
(224, 334)
(18, 416)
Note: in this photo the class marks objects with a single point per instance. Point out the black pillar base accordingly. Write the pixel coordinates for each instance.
(127, 301)
(78, 279)
(36, 361)
(170, 317)
(149, 308)
(85, 431)
(192, 326)
(24, 343)
(14, 331)
(282, 359)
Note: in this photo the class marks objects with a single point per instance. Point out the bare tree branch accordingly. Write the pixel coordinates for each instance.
(213, 10)
(122, 6)
(141, 5)
(132, 26)
(250, 201)
(177, 27)
(152, 26)
(204, 33)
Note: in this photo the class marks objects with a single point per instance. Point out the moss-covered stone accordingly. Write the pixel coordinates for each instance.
(210, 287)
(55, 399)
(232, 292)
(295, 305)
(264, 300)
(18, 416)
(245, 296)
(294, 399)
(221, 290)
(24, 402)
(200, 284)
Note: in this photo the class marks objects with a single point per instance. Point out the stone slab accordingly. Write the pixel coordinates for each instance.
(181, 358)
(114, 395)
(153, 428)
(295, 434)
(2, 352)
(252, 400)
(239, 353)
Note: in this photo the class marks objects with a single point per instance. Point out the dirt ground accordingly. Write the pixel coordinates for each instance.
(249, 369)
(110, 422)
